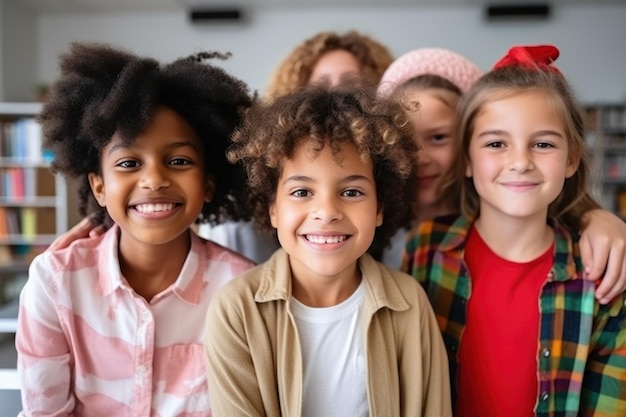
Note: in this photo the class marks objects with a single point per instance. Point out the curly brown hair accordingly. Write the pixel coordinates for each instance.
(295, 71)
(331, 117)
(102, 90)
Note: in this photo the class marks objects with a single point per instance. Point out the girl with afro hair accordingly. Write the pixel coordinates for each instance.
(115, 322)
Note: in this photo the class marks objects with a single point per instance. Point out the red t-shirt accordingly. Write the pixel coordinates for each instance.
(498, 352)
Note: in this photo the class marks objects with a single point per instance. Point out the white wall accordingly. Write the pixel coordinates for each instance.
(18, 54)
(591, 39)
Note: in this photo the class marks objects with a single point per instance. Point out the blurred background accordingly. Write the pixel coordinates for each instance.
(34, 206)
(590, 33)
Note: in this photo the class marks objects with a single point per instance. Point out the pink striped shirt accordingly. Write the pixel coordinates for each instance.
(88, 345)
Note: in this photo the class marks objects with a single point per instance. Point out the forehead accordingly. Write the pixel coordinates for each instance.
(540, 101)
(166, 128)
(445, 97)
(335, 62)
(527, 111)
(337, 156)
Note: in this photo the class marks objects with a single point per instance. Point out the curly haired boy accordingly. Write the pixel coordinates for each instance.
(321, 329)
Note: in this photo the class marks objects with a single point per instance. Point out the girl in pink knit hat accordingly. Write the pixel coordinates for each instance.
(430, 82)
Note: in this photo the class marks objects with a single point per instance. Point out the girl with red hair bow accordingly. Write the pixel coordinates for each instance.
(524, 333)
(429, 83)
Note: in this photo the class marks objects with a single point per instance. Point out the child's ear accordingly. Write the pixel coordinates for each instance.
(468, 169)
(273, 216)
(209, 188)
(96, 182)
(379, 215)
(572, 165)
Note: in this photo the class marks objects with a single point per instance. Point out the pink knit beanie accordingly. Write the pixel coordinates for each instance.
(437, 61)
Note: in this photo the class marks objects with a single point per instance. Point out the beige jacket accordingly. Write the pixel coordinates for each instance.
(253, 351)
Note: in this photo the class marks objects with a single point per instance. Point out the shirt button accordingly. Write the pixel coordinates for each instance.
(142, 369)
(546, 353)
(544, 396)
(145, 316)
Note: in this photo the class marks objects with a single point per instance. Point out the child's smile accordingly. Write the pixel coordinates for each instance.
(155, 211)
(326, 239)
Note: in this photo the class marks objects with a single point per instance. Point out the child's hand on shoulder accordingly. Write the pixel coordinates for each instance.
(84, 228)
(603, 251)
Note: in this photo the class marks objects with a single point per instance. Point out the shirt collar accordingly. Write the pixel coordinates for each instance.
(188, 285)
(567, 263)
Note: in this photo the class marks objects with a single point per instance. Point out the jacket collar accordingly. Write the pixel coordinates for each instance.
(381, 288)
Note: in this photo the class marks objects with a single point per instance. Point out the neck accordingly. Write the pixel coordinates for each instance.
(150, 269)
(324, 291)
(515, 239)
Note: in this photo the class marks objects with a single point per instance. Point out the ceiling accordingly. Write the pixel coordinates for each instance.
(106, 6)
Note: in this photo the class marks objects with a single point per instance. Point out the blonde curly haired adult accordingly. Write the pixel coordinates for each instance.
(295, 71)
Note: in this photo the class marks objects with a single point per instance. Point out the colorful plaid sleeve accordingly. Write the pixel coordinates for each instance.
(604, 383)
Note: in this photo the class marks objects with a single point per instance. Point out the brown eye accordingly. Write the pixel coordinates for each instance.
(301, 193)
(128, 164)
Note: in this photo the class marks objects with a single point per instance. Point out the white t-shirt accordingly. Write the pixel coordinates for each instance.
(334, 358)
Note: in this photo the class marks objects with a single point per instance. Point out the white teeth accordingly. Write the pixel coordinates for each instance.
(325, 239)
(152, 208)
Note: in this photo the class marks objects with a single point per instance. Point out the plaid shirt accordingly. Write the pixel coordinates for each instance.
(581, 352)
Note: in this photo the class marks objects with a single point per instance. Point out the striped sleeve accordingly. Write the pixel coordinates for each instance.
(43, 351)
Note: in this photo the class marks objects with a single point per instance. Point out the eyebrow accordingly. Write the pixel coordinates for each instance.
(174, 145)
(304, 178)
(534, 135)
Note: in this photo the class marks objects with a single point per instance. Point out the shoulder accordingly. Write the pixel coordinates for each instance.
(217, 253)
(391, 287)
(242, 289)
(439, 233)
(265, 282)
(80, 254)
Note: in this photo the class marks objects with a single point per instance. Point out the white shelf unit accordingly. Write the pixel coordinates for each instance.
(37, 214)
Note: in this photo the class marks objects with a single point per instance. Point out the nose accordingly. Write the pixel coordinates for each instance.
(423, 158)
(520, 160)
(154, 177)
(327, 210)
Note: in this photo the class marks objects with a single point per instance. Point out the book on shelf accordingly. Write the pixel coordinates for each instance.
(28, 222)
(21, 139)
(3, 223)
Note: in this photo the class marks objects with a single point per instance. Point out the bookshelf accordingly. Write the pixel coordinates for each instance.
(33, 210)
(607, 138)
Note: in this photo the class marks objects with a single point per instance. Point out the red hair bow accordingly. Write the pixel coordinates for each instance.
(541, 56)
